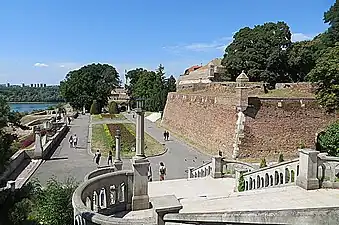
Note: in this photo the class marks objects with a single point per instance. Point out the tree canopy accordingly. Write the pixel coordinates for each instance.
(267, 54)
(151, 85)
(92, 82)
(31, 94)
(261, 51)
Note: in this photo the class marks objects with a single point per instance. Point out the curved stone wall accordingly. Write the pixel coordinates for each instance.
(96, 199)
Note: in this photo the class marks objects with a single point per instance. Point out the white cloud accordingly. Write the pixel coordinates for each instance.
(40, 65)
(216, 45)
(302, 37)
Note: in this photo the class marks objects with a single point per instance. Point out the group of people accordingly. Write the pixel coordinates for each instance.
(97, 157)
(73, 141)
(166, 135)
(162, 172)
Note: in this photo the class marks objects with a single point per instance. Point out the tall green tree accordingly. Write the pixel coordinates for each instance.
(326, 75)
(261, 51)
(332, 18)
(92, 82)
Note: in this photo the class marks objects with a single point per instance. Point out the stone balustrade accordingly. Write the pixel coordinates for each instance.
(280, 174)
(201, 171)
(98, 172)
(328, 171)
(98, 198)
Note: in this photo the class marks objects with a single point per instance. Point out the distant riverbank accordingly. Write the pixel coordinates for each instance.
(30, 106)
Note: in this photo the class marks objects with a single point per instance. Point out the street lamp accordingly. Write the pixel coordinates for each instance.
(140, 103)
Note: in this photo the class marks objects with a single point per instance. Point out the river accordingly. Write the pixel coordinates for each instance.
(29, 107)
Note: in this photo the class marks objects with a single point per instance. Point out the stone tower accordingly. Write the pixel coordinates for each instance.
(242, 92)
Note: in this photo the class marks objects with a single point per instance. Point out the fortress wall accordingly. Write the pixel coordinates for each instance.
(207, 121)
(270, 130)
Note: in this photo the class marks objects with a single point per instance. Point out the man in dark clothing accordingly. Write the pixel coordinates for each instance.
(110, 158)
(165, 135)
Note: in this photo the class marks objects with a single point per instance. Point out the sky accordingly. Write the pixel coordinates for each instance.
(42, 40)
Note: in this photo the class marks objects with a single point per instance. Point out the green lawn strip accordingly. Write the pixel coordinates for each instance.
(127, 139)
(152, 146)
(100, 140)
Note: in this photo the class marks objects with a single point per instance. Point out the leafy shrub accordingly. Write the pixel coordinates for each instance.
(329, 140)
(301, 145)
(263, 163)
(113, 108)
(94, 108)
(281, 158)
(241, 184)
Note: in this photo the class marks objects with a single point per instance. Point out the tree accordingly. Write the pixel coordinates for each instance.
(263, 163)
(281, 158)
(326, 75)
(53, 204)
(329, 140)
(150, 85)
(332, 18)
(261, 51)
(94, 108)
(241, 183)
(91, 82)
(113, 108)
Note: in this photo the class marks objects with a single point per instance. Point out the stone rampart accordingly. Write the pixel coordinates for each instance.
(271, 125)
(281, 125)
(14, 162)
(208, 121)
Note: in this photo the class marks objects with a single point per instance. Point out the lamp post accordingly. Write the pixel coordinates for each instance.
(140, 199)
(140, 132)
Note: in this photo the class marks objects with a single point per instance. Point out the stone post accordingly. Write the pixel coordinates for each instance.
(117, 161)
(242, 92)
(190, 172)
(140, 199)
(308, 169)
(216, 167)
(38, 144)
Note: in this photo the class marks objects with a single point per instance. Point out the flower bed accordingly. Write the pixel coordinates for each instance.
(27, 141)
(127, 139)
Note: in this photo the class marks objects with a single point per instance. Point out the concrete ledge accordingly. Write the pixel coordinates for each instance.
(305, 216)
(163, 205)
(15, 161)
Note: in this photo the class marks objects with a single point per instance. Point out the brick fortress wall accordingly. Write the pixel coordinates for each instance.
(275, 126)
(210, 122)
(207, 121)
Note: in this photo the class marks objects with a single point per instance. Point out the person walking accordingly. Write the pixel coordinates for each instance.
(75, 141)
(150, 173)
(69, 120)
(97, 157)
(70, 140)
(165, 135)
(162, 171)
(110, 158)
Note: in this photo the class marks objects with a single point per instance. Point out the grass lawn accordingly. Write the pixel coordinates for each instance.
(287, 93)
(101, 140)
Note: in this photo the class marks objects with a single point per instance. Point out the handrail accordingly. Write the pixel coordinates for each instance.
(99, 172)
(272, 166)
(199, 167)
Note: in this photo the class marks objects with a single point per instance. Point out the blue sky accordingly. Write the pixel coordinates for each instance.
(41, 40)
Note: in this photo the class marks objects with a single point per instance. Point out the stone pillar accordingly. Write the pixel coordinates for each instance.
(38, 144)
(140, 199)
(308, 169)
(216, 167)
(117, 161)
(242, 92)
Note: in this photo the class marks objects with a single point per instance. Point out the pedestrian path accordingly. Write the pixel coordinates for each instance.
(179, 156)
(67, 161)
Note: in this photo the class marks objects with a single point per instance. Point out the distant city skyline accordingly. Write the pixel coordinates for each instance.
(44, 40)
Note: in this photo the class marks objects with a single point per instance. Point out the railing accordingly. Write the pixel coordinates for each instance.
(201, 171)
(98, 199)
(99, 172)
(281, 174)
(328, 171)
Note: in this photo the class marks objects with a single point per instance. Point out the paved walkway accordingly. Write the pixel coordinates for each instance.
(179, 156)
(66, 161)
